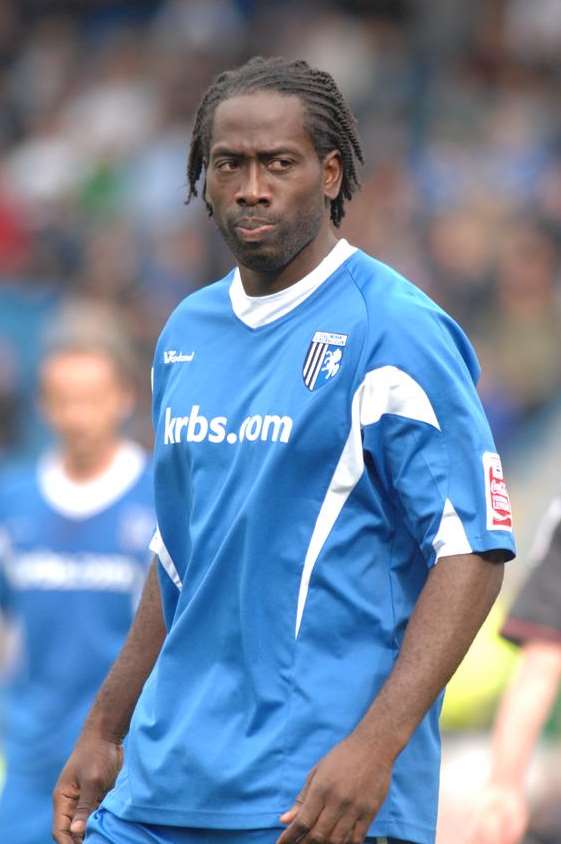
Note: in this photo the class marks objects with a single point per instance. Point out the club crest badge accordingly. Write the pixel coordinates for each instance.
(323, 359)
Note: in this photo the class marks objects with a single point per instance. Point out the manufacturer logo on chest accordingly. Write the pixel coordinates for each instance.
(323, 359)
(172, 356)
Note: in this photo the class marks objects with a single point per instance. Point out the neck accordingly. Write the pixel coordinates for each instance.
(83, 466)
(257, 283)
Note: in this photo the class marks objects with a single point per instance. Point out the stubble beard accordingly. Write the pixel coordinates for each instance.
(274, 254)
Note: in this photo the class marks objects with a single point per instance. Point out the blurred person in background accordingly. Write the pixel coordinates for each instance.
(533, 623)
(74, 530)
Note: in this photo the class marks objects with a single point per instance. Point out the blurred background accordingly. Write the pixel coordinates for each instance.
(458, 108)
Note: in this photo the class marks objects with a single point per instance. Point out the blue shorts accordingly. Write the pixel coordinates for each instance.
(105, 828)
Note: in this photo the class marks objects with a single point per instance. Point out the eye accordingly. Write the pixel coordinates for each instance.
(279, 165)
(227, 165)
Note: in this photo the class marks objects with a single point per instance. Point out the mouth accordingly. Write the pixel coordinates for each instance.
(253, 229)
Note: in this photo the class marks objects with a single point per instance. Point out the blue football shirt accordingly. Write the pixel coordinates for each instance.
(316, 452)
(73, 560)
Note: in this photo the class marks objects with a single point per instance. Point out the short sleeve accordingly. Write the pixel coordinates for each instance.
(536, 612)
(429, 439)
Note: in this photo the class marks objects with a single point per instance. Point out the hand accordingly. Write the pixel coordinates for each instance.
(500, 818)
(85, 780)
(340, 798)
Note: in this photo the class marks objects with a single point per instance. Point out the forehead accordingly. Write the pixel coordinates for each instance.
(68, 368)
(260, 120)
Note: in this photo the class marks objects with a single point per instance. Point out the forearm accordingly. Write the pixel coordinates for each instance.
(112, 711)
(455, 601)
(523, 711)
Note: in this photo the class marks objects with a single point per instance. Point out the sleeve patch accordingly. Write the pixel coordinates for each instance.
(499, 511)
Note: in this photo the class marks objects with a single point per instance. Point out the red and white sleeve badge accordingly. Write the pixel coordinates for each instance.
(499, 511)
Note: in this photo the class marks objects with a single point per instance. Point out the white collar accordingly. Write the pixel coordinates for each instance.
(83, 500)
(256, 311)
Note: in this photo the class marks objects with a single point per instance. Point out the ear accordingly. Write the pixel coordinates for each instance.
(332, 174)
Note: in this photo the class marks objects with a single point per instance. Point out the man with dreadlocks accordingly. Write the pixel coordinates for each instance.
(319, 448)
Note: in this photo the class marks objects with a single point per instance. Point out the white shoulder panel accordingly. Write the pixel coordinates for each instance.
(391, 390)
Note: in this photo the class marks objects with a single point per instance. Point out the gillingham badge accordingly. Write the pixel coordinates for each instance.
(323, 359)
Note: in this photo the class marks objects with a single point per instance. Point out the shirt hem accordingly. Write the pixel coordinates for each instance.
(145, 813)
(482, 544)
(403, 831)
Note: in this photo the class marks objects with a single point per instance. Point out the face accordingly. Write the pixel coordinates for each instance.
(84, 400)
(268, 189)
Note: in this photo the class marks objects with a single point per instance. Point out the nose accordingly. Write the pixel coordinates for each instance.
(253, 187)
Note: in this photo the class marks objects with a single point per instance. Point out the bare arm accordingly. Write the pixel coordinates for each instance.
(457, 598)
(524, 710)
(503, 814)
(93, 767)
(345, 790)
(112, 711)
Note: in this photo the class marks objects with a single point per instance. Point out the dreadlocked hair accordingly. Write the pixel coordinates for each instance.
(329, 120)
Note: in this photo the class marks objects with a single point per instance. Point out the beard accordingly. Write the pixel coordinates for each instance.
(277, 248)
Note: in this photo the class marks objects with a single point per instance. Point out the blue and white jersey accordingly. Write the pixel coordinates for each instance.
(317, 451)
(72, 565)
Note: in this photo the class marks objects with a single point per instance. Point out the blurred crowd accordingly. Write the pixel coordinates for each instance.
(458, 107)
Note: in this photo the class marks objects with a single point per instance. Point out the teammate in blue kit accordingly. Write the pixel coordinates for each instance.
(332, 517)
(73, 561)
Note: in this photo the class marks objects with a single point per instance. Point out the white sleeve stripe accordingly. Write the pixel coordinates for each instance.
(345, 477)
(450, 537)
(391, 390)
(158, 548)
(384, 390)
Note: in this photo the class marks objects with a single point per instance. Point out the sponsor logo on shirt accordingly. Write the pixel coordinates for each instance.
(499, 511)
(172, 356)
(47, 570)
(323, 358)
(197, 428)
